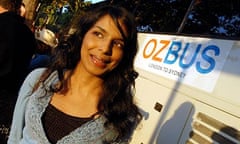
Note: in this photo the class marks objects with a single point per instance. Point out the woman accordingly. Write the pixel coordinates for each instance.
(86, 95)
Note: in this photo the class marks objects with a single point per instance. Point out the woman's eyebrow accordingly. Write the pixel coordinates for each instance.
(102, 29)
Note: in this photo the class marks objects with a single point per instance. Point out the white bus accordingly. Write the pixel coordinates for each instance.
(188, 90)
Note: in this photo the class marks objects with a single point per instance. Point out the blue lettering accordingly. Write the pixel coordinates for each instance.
(181, 64)
(209, 59)
(173, 52)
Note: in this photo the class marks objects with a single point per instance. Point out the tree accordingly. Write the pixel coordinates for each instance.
(207, 17)
(58, 14)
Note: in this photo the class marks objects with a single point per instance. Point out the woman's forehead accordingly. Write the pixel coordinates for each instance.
(107, 22)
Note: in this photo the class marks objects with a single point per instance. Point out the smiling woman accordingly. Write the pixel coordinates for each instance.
(104, 44)
(86, 95)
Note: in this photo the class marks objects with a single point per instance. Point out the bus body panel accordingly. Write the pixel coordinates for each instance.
(198, 108)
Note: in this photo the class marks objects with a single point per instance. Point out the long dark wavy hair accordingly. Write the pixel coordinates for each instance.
(117, 103)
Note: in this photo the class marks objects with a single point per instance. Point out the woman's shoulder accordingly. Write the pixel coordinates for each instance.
(38, 71)
(31, 79)
(35, 74)
(34, 77)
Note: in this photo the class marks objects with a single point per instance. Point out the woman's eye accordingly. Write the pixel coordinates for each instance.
(118, 44)
(98, 34)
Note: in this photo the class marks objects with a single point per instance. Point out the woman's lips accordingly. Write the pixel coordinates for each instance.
(99, 62)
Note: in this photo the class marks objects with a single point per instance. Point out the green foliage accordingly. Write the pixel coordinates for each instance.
(58, 14)
(206, 17)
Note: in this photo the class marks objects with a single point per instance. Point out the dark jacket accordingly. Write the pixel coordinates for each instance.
(17, 45)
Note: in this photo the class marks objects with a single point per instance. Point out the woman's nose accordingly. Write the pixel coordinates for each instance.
(106, 47)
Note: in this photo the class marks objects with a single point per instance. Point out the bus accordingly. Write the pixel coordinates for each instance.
(187, 90)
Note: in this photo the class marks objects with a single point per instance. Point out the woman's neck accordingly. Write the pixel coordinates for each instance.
(83, 95)
(80, 78)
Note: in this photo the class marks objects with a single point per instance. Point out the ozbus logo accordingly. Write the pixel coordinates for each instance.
(202, 57)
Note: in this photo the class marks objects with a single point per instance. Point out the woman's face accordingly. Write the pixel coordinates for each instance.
(102, 47)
